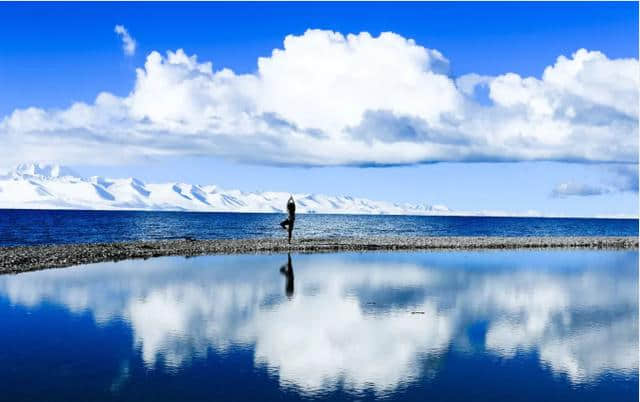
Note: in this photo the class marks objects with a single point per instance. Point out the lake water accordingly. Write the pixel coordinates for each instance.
(19, 227)
(463, 326)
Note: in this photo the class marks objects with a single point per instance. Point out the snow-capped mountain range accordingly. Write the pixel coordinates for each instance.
(39, 186)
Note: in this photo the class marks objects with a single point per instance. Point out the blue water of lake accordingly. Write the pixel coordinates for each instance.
(22, 227)
(456, 326)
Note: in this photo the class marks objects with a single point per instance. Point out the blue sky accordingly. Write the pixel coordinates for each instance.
(53, 55)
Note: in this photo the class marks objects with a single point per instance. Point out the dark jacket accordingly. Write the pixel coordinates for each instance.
(291, 207)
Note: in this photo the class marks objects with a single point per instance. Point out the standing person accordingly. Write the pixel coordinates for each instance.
(288, 223)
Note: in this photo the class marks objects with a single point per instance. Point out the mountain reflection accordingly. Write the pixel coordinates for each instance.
(351, 320)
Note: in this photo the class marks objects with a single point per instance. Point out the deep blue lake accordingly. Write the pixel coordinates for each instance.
(19, 227)
(455, 326)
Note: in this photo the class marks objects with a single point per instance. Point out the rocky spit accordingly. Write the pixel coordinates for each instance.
(30, 258)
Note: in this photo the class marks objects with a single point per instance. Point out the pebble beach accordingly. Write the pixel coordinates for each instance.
(30, 258)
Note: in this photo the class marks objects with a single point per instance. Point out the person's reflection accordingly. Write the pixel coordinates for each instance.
(287, 271)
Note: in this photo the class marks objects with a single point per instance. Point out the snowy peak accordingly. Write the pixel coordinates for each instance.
(43, 170)
(36, 185)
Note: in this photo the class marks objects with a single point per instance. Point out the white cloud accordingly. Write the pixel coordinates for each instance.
(468, 82)
(128, 43)
(625, 179)
(330, 99)
(579, 189)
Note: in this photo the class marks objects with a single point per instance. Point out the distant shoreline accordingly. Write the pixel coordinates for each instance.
(30, 258)
(451, 214)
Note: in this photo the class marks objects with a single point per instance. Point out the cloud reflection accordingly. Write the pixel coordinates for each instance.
(351, 320)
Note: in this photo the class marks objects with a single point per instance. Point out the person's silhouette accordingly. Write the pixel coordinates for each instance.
(288, 223)
(287, 271)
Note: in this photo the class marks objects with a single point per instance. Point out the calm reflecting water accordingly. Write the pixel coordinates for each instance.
(526, 325)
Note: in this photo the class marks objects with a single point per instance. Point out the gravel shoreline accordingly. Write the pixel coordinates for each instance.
(30, 258)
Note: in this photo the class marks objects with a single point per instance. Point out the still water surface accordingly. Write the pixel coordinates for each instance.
(525, 325)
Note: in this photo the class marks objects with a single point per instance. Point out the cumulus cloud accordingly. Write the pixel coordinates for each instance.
(326, 98)
(579, 189)
(128, 43)
(624, 179)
